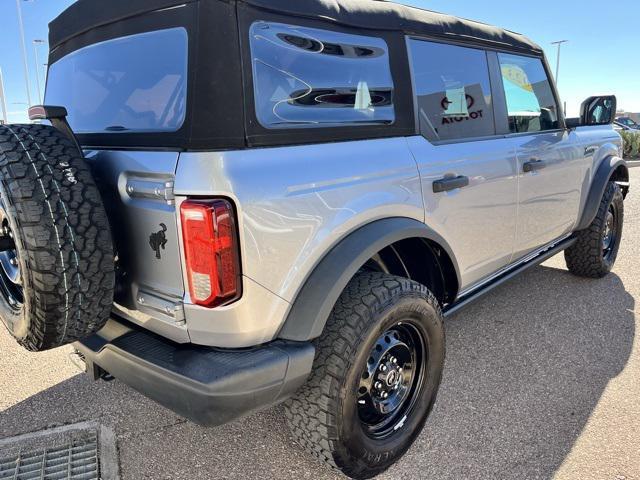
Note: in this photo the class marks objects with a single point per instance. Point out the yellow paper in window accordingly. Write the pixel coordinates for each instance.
(517, 76)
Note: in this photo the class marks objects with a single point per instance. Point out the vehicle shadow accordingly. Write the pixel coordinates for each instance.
(526, 366)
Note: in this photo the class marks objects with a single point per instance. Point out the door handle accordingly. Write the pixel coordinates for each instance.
(447, 184)
(533, 165)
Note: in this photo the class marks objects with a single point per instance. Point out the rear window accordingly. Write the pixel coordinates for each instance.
(131, 84)
(306, 77)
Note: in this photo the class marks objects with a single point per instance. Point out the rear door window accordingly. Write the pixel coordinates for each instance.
(131, 84)
(531, 103)
(453, 91)
(306, 77)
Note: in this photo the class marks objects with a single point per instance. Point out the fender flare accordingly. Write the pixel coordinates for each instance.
(598, 186)
(315, 300)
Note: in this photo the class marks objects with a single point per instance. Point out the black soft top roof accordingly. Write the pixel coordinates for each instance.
(85, 15)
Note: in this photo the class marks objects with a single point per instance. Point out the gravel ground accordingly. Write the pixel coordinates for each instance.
(542, 380)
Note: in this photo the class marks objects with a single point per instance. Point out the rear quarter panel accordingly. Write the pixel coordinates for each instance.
(293, 204)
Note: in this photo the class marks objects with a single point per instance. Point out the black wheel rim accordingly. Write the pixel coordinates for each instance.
(610, 233)
(10, 275)
(390, 383)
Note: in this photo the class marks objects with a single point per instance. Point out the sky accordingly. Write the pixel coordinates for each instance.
(600, 58)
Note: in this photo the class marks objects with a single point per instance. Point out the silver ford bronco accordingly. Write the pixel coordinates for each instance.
(229, 204)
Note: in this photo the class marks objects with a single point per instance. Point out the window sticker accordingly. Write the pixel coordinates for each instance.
(455, 103)
(363, 97)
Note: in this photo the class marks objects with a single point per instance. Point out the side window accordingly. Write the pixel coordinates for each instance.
(305, 77)
(454, 91)
(530, 101)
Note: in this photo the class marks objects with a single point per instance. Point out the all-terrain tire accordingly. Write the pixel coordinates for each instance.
(50, 205)
(587, 257)
(323, 415)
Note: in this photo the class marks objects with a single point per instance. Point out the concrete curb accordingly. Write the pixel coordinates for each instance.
(633, 163)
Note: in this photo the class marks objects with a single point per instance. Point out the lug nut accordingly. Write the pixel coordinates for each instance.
(394, 360)
(378, 385)
(385, 395)
(14, 261)
(383, 368)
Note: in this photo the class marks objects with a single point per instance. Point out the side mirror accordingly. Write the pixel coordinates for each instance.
(598, 110)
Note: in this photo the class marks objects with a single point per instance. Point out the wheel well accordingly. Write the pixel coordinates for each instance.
(621, 174)
(421, 260)
(398, 245)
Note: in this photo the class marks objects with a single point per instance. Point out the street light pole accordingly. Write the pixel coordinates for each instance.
(24, 51)
(559, 44)
(3, 100)
(36, 43)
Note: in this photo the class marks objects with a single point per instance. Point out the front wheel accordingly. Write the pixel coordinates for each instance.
(595, 251)
(376, 374)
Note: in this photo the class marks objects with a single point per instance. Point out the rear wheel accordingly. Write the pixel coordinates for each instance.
(56, 256)
(376, 374)
(595, 251)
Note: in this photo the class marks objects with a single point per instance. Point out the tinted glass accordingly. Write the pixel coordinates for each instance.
(601, 110)
(136, 83)
(454, 91)
(305, 77)
(530, 100)
(627, 121)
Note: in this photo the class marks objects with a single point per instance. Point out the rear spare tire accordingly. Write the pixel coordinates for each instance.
(56, 253)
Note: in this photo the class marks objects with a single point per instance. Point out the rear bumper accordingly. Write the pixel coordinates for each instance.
(208, 386)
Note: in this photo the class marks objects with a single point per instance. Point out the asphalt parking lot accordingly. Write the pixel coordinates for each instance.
(542, 380)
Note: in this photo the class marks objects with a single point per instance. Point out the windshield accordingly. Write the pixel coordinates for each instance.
(131, 84)
(628, 122)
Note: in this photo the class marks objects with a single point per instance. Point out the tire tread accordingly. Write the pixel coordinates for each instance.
(584, 258)
(64, 234)
(309, 414)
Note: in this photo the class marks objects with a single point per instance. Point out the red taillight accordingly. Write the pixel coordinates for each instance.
(211, 251)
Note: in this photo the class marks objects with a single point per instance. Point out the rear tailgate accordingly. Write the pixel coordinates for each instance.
(130, 90)
(137, 189)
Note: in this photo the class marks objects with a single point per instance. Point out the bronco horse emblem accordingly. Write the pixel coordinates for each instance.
(158, 240)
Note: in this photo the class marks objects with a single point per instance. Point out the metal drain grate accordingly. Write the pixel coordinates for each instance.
(76, 452)
(78, 460)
